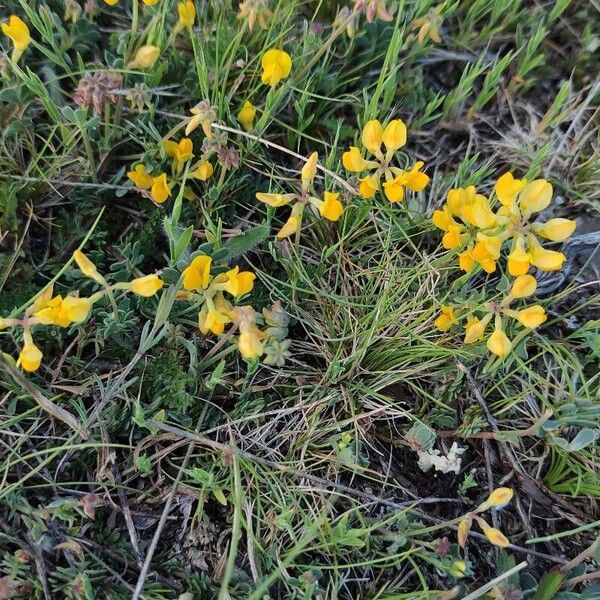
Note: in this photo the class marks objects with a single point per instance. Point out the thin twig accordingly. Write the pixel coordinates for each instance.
(491, 584)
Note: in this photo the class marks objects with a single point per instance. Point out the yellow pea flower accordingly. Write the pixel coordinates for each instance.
(86, 266)
(140, 177)
(498, 343)
(255, 11)
(197, 274)
(475, 329)
(145, 57)
(146, 286)
(523, 286)
(519, 259)
(481, 214)
(249, 342)
(111, 2)
(372, 136)
(481, 255)
(354, 162)
(394, 135)
(394, 189)
(446, 319)
(210, 319)
(77, 309)
(187, 15)
(150, 2)
(274, 200)
(532, 316)
(30, 357)
(555, 230)
(415, 179)
(160, 190)
(536, 196)
(465, 261)
(495, 536)
(368, 186)
(499, 498)
(291, 226)
(18, 32)
(507, 188)
(235, 282)
(277, 65)
(545, 260)
(458, 569)
(246, 115)
(203, 171)
(464, 526)
(52, 313)
(429, 25)
(331, 208)
(179, 151)
(309, 170)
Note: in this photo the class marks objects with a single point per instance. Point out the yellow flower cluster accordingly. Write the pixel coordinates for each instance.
(61, 311)
(158, 187)
(381, 163)
(217, 310)
(498, 342)
(499, 498)
(329, 207)
(479, 234)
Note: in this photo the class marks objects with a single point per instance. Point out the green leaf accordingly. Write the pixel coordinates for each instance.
(584, 438)
(549, 585)
(244, 243)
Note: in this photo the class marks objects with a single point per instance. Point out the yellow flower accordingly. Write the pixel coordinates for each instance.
(210, 319)
(30, 356)
(519, 259)
(494, 535)
(160, 190)
(291, 226)
(499, 497)
(446, 319)
(523, 286)
(368, 187)
(187, 15)
(536, 196)
(150, 2)
(345, 15)
(182, 151)
(235, 282)
(246, 115)
(394, 135)
(394, 189)
(507, 188)
(146, 286)
(429, 26)
(274, 200)
(197, 274)
(372, 136)
(481, 214)
(140, 177)
(309, 170)
(354, 162)
(18, 32)
(499, 344)
(475, 329)
(86, 266)
(145, 57)
(277, 65)
(202, 114)
(331, 208)
(255, 11)
(414, 179)
(203, 171)
(464, 526)
(64, 311)
(545, 260)
(532, 316)
(465, 261)
(111, 2)
(555, 230)
(249, 341)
